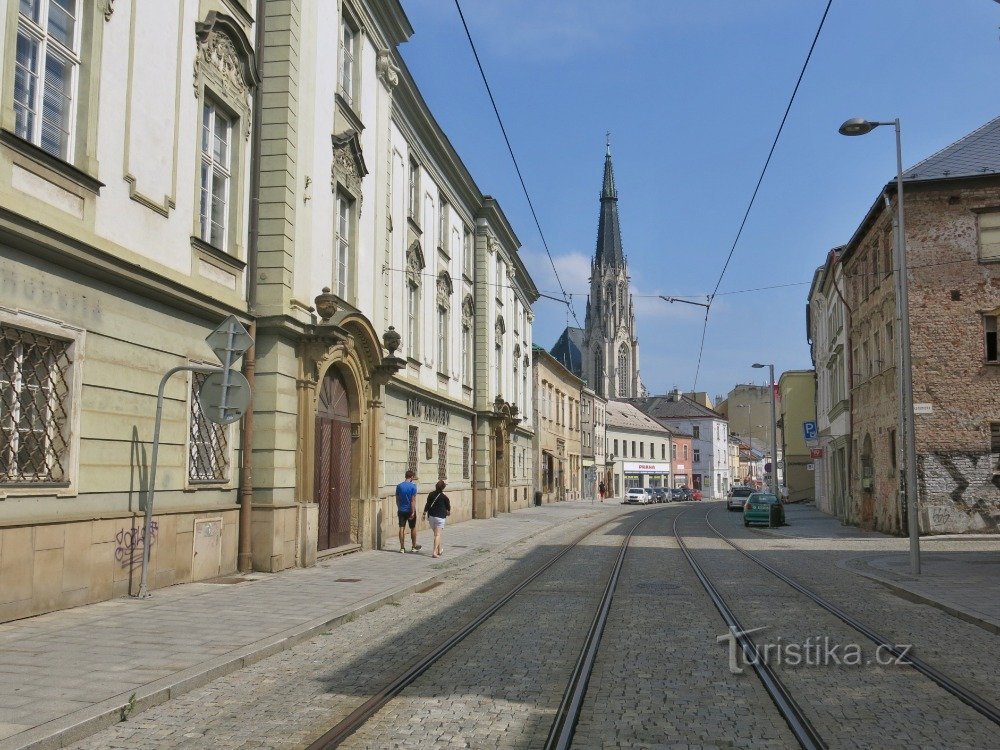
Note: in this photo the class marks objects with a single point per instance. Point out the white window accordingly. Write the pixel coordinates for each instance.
(443, 224)
(208, 449)
(412, 301)
(34, 407)
(499, 280)
(442, 340)
(467, 355)
(216, 132)
(517, 383)
(47, 66)
(413, 196)
(467, 252)
(343, 245)
(348, 43)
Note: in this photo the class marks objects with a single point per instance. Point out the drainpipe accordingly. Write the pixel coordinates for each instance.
(475, 446)
(244, 558)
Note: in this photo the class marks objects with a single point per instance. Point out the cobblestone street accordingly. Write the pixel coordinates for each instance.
(661, 677)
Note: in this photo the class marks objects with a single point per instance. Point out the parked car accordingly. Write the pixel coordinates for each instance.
(660, 494)
(696, 495)
(763, 508)
(637, 495)
(737, 497)
(682, 493)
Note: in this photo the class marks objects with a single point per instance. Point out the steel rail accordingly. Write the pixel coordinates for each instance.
(359, 716)
(564, 725)
(806, 734)
(971, 699)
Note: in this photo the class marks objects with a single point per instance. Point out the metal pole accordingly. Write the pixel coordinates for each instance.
(147, 525)
(909, 492)
(774, 438)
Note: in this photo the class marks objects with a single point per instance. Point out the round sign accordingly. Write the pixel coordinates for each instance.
(225, 396)
(767, 467)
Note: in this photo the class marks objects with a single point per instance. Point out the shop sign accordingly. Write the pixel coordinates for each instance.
(426, 411)
(644, 468)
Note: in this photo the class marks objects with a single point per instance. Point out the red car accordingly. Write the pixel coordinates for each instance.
(696, 494)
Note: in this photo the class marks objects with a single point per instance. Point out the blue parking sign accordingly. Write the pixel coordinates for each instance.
(809, 430)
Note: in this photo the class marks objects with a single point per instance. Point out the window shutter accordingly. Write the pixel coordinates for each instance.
(989, 236)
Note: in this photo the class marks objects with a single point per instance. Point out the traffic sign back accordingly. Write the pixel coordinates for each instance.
(229, 341)
(225, 396)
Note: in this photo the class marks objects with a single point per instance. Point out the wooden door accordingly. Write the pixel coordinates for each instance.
(334, 452)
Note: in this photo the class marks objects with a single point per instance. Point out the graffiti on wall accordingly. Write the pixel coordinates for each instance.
(960, 492)
(130, 543)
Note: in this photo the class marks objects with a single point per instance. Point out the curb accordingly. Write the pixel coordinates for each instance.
(73, 727)
(853, 565)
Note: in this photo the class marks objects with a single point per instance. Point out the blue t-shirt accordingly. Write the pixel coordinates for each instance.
(405, 492)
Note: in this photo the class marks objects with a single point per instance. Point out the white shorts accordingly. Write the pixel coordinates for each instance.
(435, 522)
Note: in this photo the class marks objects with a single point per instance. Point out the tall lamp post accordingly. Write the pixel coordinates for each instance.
(774, 429)
(904, 380)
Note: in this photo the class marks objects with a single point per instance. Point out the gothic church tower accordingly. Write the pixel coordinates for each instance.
(610, 351)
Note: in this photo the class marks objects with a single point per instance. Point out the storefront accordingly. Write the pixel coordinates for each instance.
(645, 474)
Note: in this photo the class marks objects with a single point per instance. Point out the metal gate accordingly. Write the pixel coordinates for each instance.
(334, 448)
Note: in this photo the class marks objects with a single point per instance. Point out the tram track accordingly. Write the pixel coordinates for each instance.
(567, 714)
(967, 696)
(793, 711)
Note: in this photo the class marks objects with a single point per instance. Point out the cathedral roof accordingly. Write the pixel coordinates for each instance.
(568, 350)
(609, 233)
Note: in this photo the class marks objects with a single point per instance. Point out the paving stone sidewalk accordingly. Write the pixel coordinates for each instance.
(67, 674)
(960, 573)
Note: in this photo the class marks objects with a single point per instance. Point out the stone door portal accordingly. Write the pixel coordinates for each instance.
(334, 448)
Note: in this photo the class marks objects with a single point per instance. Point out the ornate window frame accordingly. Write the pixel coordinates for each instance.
(225, 72)
(347, 173)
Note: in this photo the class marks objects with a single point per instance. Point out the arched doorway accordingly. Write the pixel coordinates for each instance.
(334, 449)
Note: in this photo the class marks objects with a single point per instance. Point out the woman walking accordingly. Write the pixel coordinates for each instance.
(436, 510)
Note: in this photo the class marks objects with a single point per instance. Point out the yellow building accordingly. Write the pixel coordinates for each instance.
(557, 429)
(798, 407)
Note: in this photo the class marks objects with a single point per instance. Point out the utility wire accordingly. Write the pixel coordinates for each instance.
(566, 298)
(756, 189)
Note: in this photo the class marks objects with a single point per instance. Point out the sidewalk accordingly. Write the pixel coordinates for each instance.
(960, 573)
(67, 674)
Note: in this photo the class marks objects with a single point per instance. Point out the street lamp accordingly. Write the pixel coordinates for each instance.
(774, 429)
(904, 381)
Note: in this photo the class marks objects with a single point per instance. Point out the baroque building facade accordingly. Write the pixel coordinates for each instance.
(166, 165)
(605, 353)
(125, 183)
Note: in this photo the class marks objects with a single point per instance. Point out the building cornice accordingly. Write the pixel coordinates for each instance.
(105, 266)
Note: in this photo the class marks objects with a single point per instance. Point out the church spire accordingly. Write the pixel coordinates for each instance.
(609, 235)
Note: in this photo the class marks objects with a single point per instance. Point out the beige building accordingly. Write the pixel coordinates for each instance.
(125, 183)
(557, 445)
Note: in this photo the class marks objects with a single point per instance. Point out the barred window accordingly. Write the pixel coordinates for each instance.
(465, 458)
(412, 456)
(208, 450)
(34, 407)
(442, 455)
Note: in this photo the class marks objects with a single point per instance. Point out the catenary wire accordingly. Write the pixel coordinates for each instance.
(566, 298)
(756, 190)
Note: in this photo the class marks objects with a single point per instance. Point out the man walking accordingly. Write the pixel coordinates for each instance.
(406, 509)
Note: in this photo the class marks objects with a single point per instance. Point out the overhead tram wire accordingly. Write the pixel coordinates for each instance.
(566, 298)
(753, 198)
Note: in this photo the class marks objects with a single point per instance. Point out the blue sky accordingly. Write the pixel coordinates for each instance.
(692, 91)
